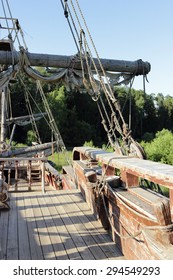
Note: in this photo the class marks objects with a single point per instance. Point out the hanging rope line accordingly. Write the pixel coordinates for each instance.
(12, 25)
(30, 111)
(49, 119)
(96, 92)
(67, 13)
(98, 83)
(14, 30)
(118, 132)
(60, 143)
(5, 15)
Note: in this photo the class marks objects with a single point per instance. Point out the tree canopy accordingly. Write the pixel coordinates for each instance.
(78, 119)
(161, 147)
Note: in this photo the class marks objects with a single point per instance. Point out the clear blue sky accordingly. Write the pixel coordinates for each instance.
(128, 29)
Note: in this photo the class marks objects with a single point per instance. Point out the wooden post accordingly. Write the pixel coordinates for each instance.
(171, 201)
(12, 134)
(162, 211)
(2, 168)
(43, 176)
(128, 179)
(3, 117)
(9, 177)
(16, 175)
(29, 174)
(110, 171)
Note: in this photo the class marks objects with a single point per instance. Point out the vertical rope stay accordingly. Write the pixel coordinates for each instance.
(67, 13)
(130, 104)
(52, 122)
(113, 124)
(15, 25)
(30, 111)
(5, 15)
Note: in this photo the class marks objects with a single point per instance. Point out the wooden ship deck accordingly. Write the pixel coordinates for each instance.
(100, 208)
(55, 225)
(88, 212)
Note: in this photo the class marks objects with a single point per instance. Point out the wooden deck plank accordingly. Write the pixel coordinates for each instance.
(75, 229)
(12, 237)
(45, 241)
(76, 217)
(54, 225)
(68, 243)
(23, 238)
(56, 241)
(70, 229)
(100, 236)
(105, 244)
(34, 240)
(4, 218)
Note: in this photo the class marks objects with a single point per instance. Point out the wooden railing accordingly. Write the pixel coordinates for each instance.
(131, 170)
(14, 169)
(139, 220)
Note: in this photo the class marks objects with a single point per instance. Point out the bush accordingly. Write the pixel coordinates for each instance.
(89, 144)
(161, 148)
(31, 137)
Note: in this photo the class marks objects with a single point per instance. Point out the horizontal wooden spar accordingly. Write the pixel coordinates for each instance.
(23, 118)
(29, 151)
(137, 67)
(23, 159)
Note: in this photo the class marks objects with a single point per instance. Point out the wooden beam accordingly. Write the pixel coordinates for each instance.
(43, 176)
(137, 67)
(28, 151)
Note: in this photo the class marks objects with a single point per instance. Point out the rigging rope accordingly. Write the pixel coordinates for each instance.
(66, 13)
(30, 111)
(3, 6)
(85, 53)
(52, 123)
(97, 96)
(112, 117)
(15, 26)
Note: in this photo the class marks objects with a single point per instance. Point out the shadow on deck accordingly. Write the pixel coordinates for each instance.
(54, 225)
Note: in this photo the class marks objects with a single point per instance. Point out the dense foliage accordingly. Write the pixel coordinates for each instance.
(78, 119)
(161, 147)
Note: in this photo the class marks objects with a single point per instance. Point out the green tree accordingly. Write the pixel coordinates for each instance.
(77, 115)
(57, 103)
(161, 111)
(161, 147)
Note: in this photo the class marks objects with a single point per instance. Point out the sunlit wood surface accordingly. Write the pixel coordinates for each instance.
(54, 225)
